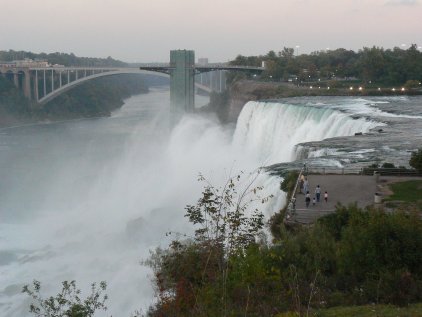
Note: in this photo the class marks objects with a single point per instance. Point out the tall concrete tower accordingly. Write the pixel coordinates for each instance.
(182, 83)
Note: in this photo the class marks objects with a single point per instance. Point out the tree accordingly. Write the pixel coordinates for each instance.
(371, 63)
(220, 213)
(287, 53)
(411, 84)
(68, 302)
(416, 160)
(194, 277)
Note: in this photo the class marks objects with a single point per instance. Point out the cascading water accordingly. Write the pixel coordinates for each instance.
(90, 198)
(269, 131)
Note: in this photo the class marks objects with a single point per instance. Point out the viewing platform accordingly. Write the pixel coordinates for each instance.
(345, 188)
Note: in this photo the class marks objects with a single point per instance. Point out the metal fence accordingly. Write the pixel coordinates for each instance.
(334, 170)
(363, 171)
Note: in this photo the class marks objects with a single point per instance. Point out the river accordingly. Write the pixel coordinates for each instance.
(86, 200)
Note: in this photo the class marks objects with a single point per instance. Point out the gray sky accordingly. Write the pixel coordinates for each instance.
(146, 30)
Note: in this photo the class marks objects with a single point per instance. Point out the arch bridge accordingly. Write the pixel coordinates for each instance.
(44, 83)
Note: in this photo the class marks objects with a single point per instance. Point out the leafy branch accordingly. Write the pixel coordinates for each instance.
(68, 302)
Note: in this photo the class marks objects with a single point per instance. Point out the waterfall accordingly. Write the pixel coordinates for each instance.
(269, 131)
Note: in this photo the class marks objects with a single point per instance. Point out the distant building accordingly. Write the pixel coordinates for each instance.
(7, 64)
(31, 63)
(203, 61)
(27, 62)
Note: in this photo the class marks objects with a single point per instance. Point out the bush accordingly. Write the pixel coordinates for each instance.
(289, 182)
(416, 160)
(199, 277)
(411, 84)
(375, 245)
(68, 302)
(388, 165)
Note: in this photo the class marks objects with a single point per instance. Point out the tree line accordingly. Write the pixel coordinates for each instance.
(370, 65)
(66, 59)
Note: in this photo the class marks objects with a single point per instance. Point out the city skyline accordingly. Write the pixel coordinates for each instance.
(145, 31)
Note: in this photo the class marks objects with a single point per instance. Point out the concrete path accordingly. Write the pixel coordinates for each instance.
(345, 189)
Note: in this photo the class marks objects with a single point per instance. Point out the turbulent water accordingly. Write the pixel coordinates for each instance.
(88, 199)
(270, 131)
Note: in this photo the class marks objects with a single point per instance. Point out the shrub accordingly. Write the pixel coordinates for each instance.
(388, 165)
(416, 160)
(68, 302)
(411, 84)
(289, 182)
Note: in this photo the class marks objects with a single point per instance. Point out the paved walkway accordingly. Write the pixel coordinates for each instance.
(345, 189)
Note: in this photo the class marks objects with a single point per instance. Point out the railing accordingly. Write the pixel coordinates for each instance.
(391, 171)
(363, 171)
(334, 170)
(291, 206)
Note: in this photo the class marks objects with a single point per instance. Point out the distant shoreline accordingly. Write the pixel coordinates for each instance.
(292, 90)
(243, 91)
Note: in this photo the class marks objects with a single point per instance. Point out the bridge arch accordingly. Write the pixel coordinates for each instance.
(53, 94)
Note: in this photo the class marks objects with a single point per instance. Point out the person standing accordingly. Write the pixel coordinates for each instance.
(307, 199)
(326, 197)
(301, 181)
(313, 201)
(306, 186)
(318, 193)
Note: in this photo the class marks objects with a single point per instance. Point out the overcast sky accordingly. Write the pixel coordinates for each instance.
(146, 30)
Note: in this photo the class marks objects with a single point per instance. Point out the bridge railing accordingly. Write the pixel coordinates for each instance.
(363, 171)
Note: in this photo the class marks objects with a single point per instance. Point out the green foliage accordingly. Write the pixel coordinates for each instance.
(370, 311)
(62, 59)
(220, 213)
(12, 102)
(379, 251)
(387, 165)
(97, 97)
(411, 84)
(408, 192)
(287, 185)
(94, 98)
(68, 302)
(336, 222)
(416, 160)
(351, 257)
(289, 182)
(374, 66)
(201, 277)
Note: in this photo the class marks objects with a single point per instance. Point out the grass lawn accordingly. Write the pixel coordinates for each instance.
(407, 192)
(414, 310)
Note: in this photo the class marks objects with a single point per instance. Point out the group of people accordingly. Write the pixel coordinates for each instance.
(304, 188)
